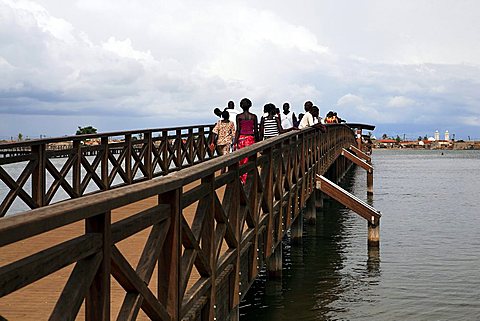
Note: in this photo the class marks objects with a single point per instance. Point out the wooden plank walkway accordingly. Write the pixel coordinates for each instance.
(36, 301)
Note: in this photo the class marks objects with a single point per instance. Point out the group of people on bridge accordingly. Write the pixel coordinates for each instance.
(237, 129)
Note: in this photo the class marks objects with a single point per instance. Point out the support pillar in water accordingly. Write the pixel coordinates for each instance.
(374, 234)
(370, 182)
(318, 199)
(274, 262)
(297, 229)
(310, 210)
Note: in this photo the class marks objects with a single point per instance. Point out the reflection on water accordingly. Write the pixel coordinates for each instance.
(318, 277)
(427, 267)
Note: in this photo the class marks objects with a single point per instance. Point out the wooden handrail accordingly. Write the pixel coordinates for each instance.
(114, 163)
(33, 142)
(363, 209)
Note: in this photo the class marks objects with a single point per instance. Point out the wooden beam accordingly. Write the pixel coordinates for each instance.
(360, 154)
(131, 282)
(357, 160)
(21, 273)
(140, 221)
(97, 301)
(349, 200)
(72, 296)
(169, 262)
(134, 300)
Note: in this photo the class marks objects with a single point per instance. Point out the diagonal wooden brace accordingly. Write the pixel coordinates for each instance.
(349, 200)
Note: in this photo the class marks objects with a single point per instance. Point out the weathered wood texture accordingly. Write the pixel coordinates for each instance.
(207, 233)
(85, 164)
(360, 154)
(349, 200)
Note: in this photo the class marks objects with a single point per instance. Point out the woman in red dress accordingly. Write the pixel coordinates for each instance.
(247, 130)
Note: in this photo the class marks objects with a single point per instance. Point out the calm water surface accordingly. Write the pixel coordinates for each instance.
(428, 266)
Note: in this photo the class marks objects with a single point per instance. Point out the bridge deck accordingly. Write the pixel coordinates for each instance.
(36, 301)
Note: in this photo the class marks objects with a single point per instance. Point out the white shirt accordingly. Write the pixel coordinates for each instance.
(306, 121)
(233, 115)
(287, 120)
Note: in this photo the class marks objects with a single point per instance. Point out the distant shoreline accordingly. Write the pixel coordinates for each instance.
(425, 149)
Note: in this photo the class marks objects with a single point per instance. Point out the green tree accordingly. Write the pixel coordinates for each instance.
(419, 138)
(398, 139)
(384, 136)
(20, 136)
(86, 130)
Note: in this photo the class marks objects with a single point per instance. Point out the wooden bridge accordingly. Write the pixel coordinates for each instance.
(163, 235)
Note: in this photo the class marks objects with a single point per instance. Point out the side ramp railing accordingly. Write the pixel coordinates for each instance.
(352, 202)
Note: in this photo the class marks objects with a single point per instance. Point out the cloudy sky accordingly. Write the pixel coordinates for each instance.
(410, 67)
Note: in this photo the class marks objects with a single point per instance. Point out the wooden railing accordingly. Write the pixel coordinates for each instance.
(205, 263)
(36, 173)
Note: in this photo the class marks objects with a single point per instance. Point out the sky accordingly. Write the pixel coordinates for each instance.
(409, 67)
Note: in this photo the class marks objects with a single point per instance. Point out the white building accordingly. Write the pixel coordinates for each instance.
(437, 135)
(447, 136)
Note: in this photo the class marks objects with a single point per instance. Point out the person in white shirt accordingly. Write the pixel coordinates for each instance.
(307, 119)
(233, 112)
(312, 118)
(316, 115)
(288, 117)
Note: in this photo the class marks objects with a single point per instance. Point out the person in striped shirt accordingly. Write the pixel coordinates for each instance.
(270, 125)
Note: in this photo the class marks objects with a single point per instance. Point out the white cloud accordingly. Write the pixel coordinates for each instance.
(170, 60)
(124, 49)
(400, 102)
(350, 100)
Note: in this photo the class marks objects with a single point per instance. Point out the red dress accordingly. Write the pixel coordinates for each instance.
(245, 139)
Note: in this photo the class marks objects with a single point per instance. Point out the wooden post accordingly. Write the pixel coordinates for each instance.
(208, 245)
(370, 182)
(147, 160)
(169, 262)
(104, 162)
(235, 220)
(164, 151)
(274, 262)
(201, 144)
(374, 234)
(97, 301)
(191, 152)
(297, 229)
(128, 158)
(359, 138)
(178, 150)
(269, 198)
(254, 201)
(318, 198)
(310, 209)
(77, 167)
(38, 175)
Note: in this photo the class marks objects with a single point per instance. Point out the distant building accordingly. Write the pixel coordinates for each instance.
(437, 135)
(386, 143)
(447, 136)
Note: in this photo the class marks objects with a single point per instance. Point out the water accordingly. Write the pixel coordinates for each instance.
(428, 267)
